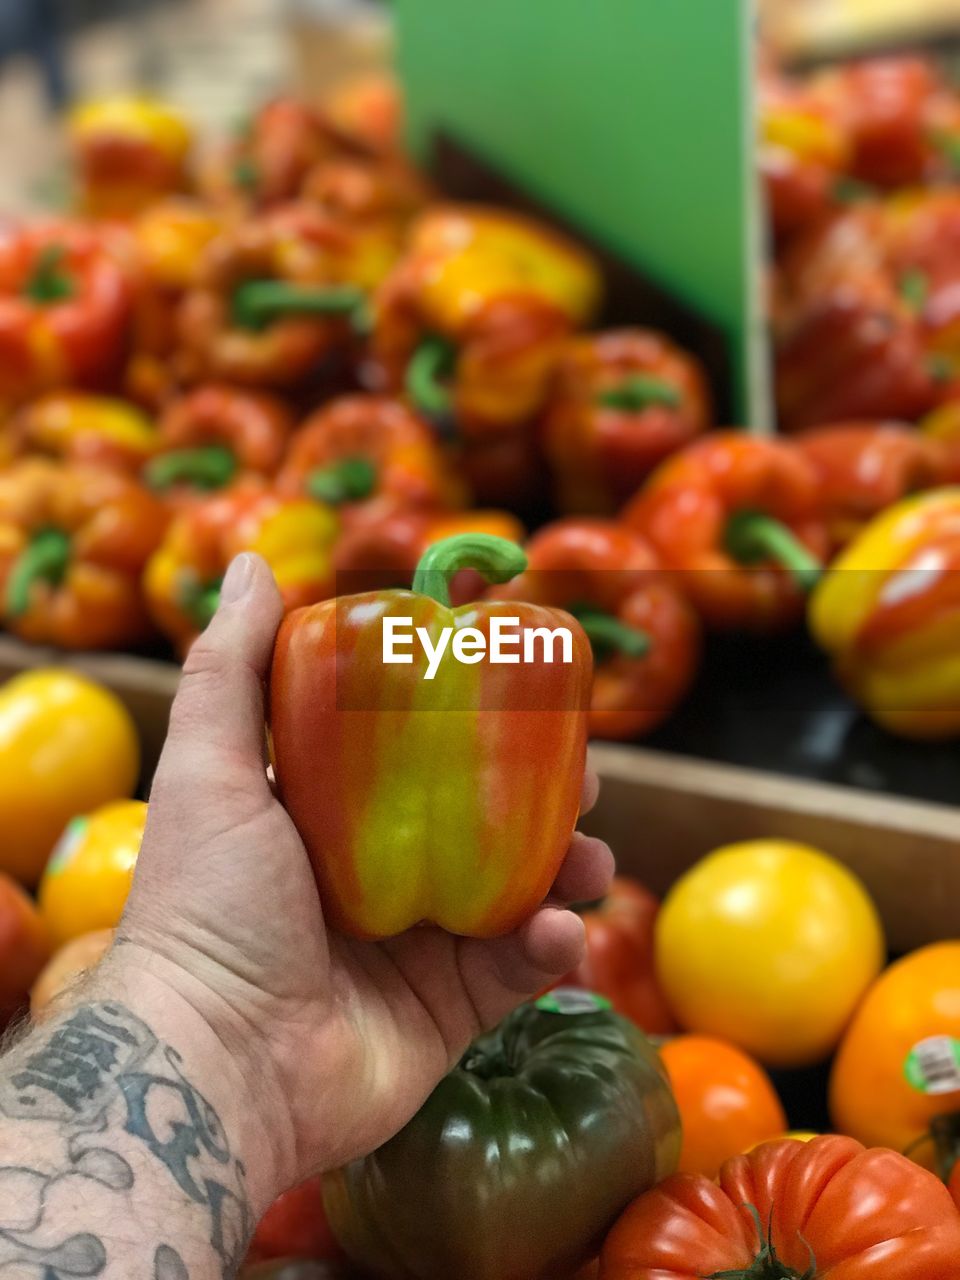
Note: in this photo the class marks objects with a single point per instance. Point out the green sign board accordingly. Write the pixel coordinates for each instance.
(632, 118)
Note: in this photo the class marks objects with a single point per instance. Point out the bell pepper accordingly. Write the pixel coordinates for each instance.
(276, 296)
(128, 152)
(486, 766)
(384, 552)
(644, 635)
(887, 614)
(368, 454)
(295, 537)
(621, 402)
(80, 427)
(73, 543)
(921, 248)
(739, 518)
(64, 309)
(865, 467)
(942, 428)
(368, 108)
(546, 1128)
(375, 189)
(472, 320)
(214, 434)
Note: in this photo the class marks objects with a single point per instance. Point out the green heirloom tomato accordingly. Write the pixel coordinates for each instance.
(521, 1158)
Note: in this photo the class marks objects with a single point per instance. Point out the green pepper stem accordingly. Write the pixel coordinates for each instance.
(258, 303)
(206, 467)
(496, 559)
(753, 536)
(50, 282)
(349, 480)
(45, 559)
(638, 392)
(198, 600)
(608, 634)
(430, 365)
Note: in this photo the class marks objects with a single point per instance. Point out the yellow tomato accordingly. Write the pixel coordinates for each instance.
(771, 945)
(88, 877)
(66, 746)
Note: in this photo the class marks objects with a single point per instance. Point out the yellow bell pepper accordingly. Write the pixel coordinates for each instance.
(888, 612)
(98, 430)
(87, 879)
(67, 745)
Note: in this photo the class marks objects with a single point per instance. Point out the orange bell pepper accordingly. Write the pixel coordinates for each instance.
(295, 537)
(369, 189)
(128, 153)
(275, 298)
(622, 401)
(473, 319)
(645, 636)
(865, 467)
(888, 613)
(488, 763)
(739, 519)
(215, 433)
(80, 427)
(368, 454)
(73, 543)
(65, 305)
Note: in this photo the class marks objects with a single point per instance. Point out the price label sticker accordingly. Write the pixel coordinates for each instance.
(933, 1066)
(572, 1000)
(67, 845)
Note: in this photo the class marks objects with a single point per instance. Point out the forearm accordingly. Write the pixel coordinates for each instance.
(126, 1140)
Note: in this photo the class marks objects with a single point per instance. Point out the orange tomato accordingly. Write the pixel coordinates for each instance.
(68, 964)
(727, 1101)
(88, 877)
(24, 946)
(871, 1097)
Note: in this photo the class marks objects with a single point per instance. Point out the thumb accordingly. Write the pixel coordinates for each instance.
(216, 734)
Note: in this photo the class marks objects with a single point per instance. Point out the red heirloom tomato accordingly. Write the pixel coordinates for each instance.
(792, 1211)
(295, 1226)
(618, 962)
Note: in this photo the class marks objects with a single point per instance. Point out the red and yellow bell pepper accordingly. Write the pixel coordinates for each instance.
(644, 635)
(294, 536)
(473, 319)
(368, 455)
(128, 152)
(214, 434)
(485, 762)
(80, 427)
(73, 543)
(621, 402)
(65, 305)
(739, 520)
(888, 613)
(382, 190)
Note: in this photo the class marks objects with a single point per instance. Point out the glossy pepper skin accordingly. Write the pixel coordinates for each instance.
(644, 634)
(73, 544)
(472, 320)
(369, 454)
(865, 467)
(483, 761)
(65, 304)
(621, 402)
(739, 520)
(887, 614)
(295, 537)
(380, 190)
(275, 298)
(548, 1126)
(216, 433)
(128, 152)
(80, 427)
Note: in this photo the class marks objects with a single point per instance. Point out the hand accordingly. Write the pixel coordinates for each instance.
(338, 1041)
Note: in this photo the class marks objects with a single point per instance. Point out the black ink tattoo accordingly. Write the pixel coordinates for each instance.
(100, 1073)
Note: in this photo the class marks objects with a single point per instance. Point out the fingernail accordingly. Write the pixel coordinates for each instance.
(238, 579)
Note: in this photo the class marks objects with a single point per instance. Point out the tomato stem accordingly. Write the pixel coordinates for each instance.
(766, 1265)
(496, 559)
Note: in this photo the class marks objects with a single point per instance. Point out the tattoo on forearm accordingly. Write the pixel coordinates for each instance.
(99, 1075)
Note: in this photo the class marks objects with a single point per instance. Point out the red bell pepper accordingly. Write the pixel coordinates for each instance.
(621, 402)
(739, 518)
(484, 766)
(645, 636)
